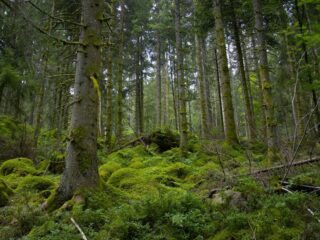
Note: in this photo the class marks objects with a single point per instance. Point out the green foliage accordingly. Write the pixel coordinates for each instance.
(5, 192)
(15, 139)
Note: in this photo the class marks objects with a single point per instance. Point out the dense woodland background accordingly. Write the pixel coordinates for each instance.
(182, 96)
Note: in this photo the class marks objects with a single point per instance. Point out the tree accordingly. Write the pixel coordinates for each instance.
(230, 128)
(271, 123)
(181, 82)
(81, 170)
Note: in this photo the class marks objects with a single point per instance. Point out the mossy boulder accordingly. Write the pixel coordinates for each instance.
(19, 166)
(36, 183)
(107, 169)
(5, 192)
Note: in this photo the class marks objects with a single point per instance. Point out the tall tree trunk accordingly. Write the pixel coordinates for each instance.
(119, 123)
(205, 131)
(165, 92)
(158, 85)
(81, 170)
(260, 95)
(230, 127)
(245, 89)
(109, 119)
(183, 122)
(219, 91)
(139, 89)
(265, 80)
(206, 84)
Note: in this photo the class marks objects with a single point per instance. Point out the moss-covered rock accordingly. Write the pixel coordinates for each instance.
(19, 166)
(107, 169)
(36, 183)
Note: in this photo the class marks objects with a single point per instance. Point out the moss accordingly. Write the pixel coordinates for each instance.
(19, 166)
(178, 170)
(107, 169)
(36, 183)
(118, 176)
(136, 164)
(5, 192)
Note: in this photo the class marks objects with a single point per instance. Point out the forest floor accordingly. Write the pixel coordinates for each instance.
(147, 194)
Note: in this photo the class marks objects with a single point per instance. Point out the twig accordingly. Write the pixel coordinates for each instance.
(79, 229)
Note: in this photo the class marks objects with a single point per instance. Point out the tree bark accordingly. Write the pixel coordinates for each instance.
(81, 170)
(119, 124)
(271, 123)
(183, 122)
(205, 131)
(245, 89)
(230, 127)
(158, 85)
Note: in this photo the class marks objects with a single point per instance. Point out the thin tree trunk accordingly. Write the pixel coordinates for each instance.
(205, 132)
(260, 95)
(245, 89)
(119, 123)
(219, 92)
(265, 80)
(182, 83)
(229, 120)
(159, 85)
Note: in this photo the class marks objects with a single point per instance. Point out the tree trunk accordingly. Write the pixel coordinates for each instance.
(119, 124)
(139, 89)
(81, 170)
(265, 80)
(245, 89)
(159, 85)
(109, 119)
(182, 83)
(219, 92)
(230, 127)
(260, 98)
(205, 131)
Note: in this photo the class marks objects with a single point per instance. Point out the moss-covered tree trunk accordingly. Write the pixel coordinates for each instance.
(230, 127)
(81, 170)
(245, 88)
(119, 123)
(265, 80)
(183, 122)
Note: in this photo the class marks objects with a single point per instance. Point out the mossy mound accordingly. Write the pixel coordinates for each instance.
(36, 183)
(107, 169)
(18, 166)
(5, 192)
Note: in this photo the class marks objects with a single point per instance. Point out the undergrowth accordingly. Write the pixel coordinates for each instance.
(149, 194)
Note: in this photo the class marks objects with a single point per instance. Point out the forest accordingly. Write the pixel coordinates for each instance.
(159, 119)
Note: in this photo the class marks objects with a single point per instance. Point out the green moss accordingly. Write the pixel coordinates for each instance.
(19, 166)
(36, 183)
(107, 169)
